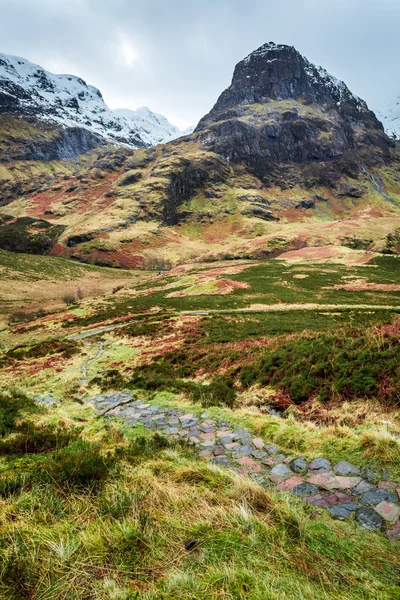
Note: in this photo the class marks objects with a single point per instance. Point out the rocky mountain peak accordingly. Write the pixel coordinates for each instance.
(291, 122)
(276, 72)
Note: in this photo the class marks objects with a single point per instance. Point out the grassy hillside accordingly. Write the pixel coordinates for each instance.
(178, 202)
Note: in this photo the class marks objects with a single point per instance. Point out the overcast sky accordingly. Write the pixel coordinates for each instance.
(177, 56)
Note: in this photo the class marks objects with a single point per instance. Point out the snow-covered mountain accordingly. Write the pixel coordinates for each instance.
(28, 89)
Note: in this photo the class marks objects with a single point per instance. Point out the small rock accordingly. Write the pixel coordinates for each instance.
(271, 449)
(279, 473)
(227, 439)
(388, 511)
(223, 461)
(289, 484)
(305, 489)
(279, 458)
(258, 443)
(229, 446)
(269, 462)
(346, 468)
(367, 518)
(325, 499)
(205, 454)
(207, 429)
(259, 454)
(374, 474)
(374, 497)
(299, 465)
(207, 436)
(330, 481)
(224, 433)
(251, 464)
(207, 444)
(362, 488)
(344, 511)
(319, 465)
(388, 485)
(394, 532)
(242, 451)
(218, 451)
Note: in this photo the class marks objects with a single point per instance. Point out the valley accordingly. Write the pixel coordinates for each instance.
(199, 343)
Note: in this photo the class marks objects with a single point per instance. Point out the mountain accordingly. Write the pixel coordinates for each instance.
(28, 90)
(281, 111)
(288, 157)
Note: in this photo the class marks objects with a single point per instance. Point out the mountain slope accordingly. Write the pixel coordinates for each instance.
(27, 89)
(287, 158)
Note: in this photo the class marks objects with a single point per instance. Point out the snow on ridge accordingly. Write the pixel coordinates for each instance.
(390, 118)
(71, 102)
(263, 50)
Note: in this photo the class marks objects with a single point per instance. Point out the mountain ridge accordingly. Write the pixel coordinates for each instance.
(27, 89)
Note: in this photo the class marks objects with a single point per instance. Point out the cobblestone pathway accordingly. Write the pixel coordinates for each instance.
(369, 496)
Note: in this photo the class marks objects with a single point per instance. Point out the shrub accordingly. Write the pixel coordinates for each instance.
(80, 464)
(353, 366)
(69, 299)
(31, 438)
(12, 405)
(217, 393)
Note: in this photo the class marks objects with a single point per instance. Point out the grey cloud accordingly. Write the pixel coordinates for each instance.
(181, 53)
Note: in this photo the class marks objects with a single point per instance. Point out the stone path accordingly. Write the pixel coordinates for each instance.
(344, 491)
(88, 362)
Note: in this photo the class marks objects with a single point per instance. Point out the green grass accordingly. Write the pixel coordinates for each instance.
(111, 519)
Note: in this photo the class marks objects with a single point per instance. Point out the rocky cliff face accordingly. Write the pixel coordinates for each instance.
(281, 112)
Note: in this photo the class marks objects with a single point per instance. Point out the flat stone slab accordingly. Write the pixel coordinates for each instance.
(207, 436)
(388, 511)
(394, 532)
(218, 451)
(249, 463)
(205, 454)
(223, 461)
(326, 499)
(299, 465)
(271, 449)
(346, 468)
(375, 497)
(344, 511)
(374, 474)
(259, 454)
(279, 473)
(258, 443)
(242, 451)
(319, 465)
(330, 481)
(362, 488)
(289, 484)
(305, 489)
(367, 518)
